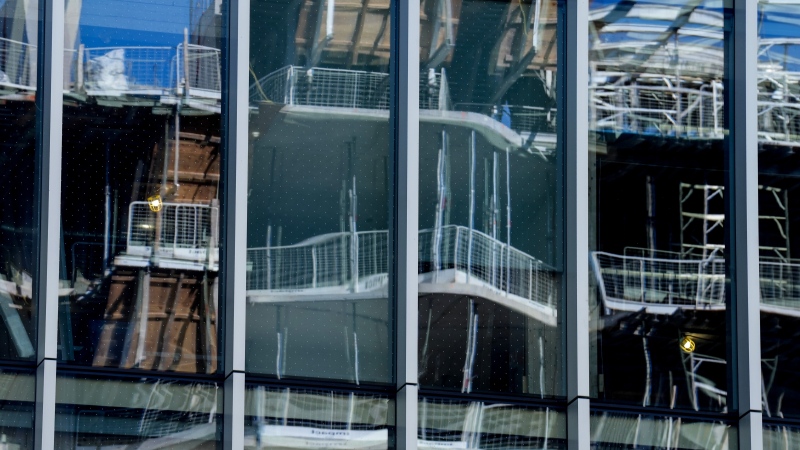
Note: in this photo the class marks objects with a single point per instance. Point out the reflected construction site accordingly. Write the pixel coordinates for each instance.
(140, 232)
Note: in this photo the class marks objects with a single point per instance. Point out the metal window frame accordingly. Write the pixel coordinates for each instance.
(404, 212)
(743, 236)
(49, 103)
(573, 142)
(235, 120)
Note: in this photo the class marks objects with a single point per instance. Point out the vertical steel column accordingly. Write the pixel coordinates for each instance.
(403, 211)
(573, 141)
(49, 105)
(234, 218)
(742, 95)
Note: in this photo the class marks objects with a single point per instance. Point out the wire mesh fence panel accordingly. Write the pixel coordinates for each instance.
(780, 284)
(128, 70)
(141, 225)
(336, 260)
(16, 59)
(180, 227)
(488, 261)
(660, 282)
(340, 88)
(167, 414)
(318, 409)
(199, 68)
(665, 110)
(324, 263)
(461, 424)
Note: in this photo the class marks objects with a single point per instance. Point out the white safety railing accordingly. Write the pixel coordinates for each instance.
(487, 261)
(319, 86)
(328, 261)
(16, 60)
(186, 231)
(116, 71)
(780, 284)
(145, 71)
(200, 67)
(632, 282)
(520, 118)
(339, 88)
(324, 261)
(659, 109)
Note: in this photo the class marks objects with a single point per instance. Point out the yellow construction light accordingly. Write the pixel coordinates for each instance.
(155, 203)
(687, 344)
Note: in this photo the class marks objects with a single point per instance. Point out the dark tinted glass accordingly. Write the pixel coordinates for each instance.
(287, 418)
(656, 203)
(612, 431)
(486, 425)
(488, 303)
(779, 177)
(93, 412)
(18, 111)
(317, 259)
(140, 189)
(16, 410)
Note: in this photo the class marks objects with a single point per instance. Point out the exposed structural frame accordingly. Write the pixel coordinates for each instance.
(742, 206)
(234, 228)
(403, 212)
(573, 140)
(49, 101)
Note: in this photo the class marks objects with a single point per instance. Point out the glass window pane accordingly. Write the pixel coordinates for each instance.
(612, 431)
(488, 303)
(317, 265)
(18, 232)
(447, 423)
(781, 437)
(17, 391)
(94, 412)
(778, 178)
(284, 418)
(656, 203)
(140, 190)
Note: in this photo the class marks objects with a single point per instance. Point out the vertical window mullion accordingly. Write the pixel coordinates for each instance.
(404, 234)
(574, 153)
(235, 174)
(744, 235)
(49, 100)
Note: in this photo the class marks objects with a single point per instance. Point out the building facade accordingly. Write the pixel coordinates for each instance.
(375, 224)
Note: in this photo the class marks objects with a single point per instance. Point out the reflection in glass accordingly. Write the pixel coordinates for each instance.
(781, 437)
(317, 267)
(611, 431)
(140, 210)
(16, 410)
(18, 44)
(465, 424)
(656, 203)
(779, 177)
(488, 304)
(111, 414)
(299, 419)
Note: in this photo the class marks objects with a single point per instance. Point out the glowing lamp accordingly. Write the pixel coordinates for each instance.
(155, 203)
(687, 344)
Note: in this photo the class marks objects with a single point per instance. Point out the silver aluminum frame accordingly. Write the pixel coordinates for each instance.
(404, 211)
(574, 145)
(49, 123)
(234, 260)
(743, 208)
